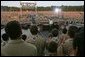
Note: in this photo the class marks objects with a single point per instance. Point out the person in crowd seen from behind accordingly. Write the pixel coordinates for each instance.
(5, 38)
(16, 46)
(55, 33)
(52, 49)
(63, 36)
(78, 43)
(37, 40)
(68, 45)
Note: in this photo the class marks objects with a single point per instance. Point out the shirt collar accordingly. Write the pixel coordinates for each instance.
(15, 41)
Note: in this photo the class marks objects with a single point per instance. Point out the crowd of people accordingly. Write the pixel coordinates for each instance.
(42, 16)
(70, 42)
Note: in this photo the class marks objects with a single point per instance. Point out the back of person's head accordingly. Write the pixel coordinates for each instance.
(79, 43)
(5, 37)
(52, 47)
(50, 35)
(80, 29)
(72, 31)
(55, 32)
(56, 26)
(13, 29)
(33, 29)
(24, 37)
(64, 31)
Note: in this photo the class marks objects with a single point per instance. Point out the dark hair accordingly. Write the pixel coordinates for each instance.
(52, 47)
(80, 29)
(13, 29)
(24, 37)
(55, 25)
(64, 31)
(79, 42)
(34, 29)
(50, 35)
(55, 32)
(5, 37)
(72, 31)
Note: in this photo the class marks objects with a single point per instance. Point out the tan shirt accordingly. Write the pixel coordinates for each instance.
(18, 48)
(39, 42)
(4, 43)
(68, 46)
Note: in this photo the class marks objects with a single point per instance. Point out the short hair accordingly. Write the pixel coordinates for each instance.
(33, 29)
(13, 29)
(55, 32)
(55, 25)
(24, 37)
(72, 31)
(78, 41)
(80, 29)
(64, 30)
(50, 35)
(52, 47)
(5, 37)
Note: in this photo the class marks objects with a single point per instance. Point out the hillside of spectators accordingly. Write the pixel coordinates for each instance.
(50, 8)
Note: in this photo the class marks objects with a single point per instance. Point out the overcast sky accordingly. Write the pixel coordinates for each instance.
(44, 3)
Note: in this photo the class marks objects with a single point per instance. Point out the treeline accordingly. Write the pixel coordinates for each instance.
(64, 8)
(6, 8)
(72, 8)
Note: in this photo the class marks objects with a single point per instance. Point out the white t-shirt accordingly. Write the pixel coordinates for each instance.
(50, 22)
